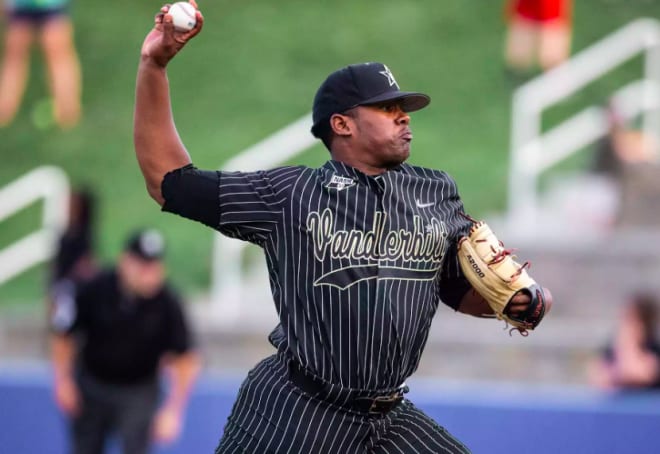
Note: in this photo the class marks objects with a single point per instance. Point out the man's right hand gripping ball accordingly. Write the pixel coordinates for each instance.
(163, 42)
(500, 280)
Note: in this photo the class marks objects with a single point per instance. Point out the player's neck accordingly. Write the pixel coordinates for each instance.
(357, 162)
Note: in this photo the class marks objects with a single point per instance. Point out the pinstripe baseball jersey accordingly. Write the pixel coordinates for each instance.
(358, 264)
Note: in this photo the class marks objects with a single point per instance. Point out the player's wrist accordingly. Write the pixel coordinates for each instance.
(150, 62)
(174, 407)
(63, 378)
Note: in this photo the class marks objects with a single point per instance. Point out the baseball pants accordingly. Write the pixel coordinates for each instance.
(272, 415)
(125, 411)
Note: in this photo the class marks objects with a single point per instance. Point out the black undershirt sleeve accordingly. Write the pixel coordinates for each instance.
(453, 290)
(193, 194)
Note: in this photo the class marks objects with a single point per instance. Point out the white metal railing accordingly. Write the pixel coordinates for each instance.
(533, 151)
(50, 184)
(228, 284)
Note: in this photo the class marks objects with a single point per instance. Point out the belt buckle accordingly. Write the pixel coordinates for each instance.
(387, 402)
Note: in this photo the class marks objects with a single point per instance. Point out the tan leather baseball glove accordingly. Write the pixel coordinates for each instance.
(497, 277)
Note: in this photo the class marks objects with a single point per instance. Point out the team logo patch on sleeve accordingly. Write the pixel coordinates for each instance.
(63, 311)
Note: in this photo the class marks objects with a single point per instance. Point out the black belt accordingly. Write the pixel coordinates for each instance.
(378, 405)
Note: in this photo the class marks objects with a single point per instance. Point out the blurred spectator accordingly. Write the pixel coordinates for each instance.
(621, 186)
(48, 21)
(622, 145)
(626, 161)
(125, 327)
(74, 262)
(632, 359)
(539, 34)
(74, 257)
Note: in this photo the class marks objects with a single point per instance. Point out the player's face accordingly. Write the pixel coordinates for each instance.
(382, 134)
(143, 278)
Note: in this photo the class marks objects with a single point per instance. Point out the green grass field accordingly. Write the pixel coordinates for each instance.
(254, 69)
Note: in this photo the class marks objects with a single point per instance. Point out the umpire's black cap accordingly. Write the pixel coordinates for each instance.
(146, 244)
(360, 85)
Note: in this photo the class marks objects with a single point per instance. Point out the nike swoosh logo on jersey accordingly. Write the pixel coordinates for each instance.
(424, 205)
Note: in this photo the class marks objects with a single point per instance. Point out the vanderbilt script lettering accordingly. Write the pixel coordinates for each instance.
(425, 243)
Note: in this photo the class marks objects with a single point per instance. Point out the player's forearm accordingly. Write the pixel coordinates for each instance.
(157, 144)
(66, 393)
(184, 370)
(474, 304)
(62, 354)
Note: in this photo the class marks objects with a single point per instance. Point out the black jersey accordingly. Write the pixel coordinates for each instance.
(123, 338)
(357, 264)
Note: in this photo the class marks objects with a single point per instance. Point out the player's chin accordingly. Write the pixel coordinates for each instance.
(395, 155)
(405, 152)
(395, 160)
(406, 143)
(402, 151)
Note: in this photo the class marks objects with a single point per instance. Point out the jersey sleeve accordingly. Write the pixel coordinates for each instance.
(70, 303)
(243, 205)
(63, 309)
(453, 284)
(179, 336)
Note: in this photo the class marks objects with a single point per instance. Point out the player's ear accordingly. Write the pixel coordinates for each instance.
(341, 124)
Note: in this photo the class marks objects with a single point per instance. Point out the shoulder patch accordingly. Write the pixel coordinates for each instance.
(63, 313)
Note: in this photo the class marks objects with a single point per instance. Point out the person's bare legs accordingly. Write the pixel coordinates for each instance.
(521, 42)
(554, 44)
(15, 69)
(63, 70)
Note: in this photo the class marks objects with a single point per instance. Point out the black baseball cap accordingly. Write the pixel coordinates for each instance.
(146, 244)
(360, 84)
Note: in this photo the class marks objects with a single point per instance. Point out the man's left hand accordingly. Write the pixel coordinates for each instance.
(167, 425)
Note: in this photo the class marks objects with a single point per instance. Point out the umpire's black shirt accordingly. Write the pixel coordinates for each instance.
(357, 264)
(123, 337)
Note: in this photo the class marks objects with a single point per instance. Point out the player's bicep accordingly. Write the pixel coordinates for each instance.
(193, 194)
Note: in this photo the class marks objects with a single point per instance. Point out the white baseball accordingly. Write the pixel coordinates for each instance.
(183, 16)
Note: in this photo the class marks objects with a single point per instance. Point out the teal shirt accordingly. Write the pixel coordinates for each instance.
(36, 5)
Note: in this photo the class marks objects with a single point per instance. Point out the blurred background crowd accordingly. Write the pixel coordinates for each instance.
(67, 72)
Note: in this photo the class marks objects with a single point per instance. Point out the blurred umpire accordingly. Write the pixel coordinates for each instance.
(360, 252)
(111, 340)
